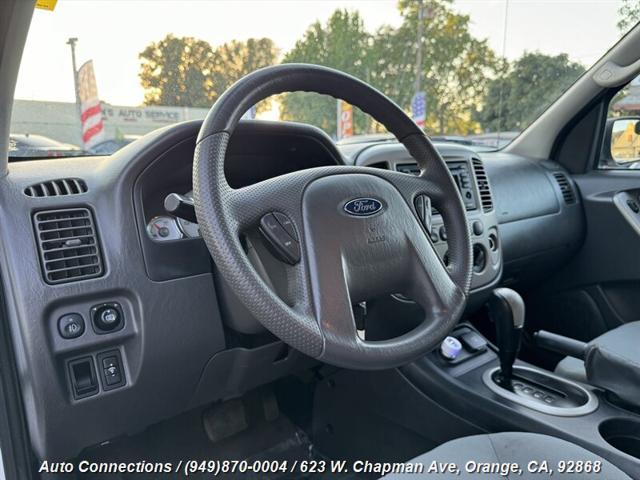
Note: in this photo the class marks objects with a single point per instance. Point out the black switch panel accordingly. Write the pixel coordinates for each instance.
(281, 237)
(82, 374)
(422, 203)
(111, 370)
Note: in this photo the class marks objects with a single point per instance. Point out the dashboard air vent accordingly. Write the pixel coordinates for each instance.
(565, 187)
(68, 244)
(483, 185)
(57, 188)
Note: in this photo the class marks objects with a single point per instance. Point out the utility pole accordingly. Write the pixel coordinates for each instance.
(504, 68)
(419, 99)
(420, 32)
(72, 43)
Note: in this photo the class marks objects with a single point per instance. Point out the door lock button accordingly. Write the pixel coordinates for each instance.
(71, 325)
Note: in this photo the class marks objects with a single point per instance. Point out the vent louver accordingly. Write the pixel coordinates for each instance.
(483, 185)
(68, 244)
(57, 188)
(565, 187)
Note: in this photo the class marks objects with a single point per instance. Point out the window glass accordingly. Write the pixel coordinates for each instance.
(96, 75)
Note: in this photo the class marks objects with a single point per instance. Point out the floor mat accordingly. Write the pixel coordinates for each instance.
(185, 438)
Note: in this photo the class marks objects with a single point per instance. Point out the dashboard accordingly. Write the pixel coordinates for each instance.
(469, 174)
(142, 297)
(258, 151)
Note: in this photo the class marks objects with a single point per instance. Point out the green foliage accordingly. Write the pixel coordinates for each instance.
(454, 70)
(528, 86)
(455, 67)
(184, 71)
(177, 72)
(619, 112)
(341, 43)
(469, 89)
(629, 13)
(235, 59)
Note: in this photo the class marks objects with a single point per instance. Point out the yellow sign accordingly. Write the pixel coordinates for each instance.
(46, 4)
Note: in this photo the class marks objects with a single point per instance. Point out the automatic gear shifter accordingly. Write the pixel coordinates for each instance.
(526, 385)
(506, 309)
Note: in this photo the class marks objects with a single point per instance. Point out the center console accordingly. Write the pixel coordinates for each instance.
(486, 383)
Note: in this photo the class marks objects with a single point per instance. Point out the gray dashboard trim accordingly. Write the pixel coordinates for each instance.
(163, 359)
(392, 155)
(588, 407)
(527, 199)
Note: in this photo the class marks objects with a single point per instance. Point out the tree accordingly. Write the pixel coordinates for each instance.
(235, 59)
(341, 43)
(528, 87)
(177, 72)
(454, 70)
(455, 65)
(629, 13)
(184, 71)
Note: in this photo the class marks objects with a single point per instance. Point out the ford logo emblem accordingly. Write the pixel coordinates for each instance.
(363, 207)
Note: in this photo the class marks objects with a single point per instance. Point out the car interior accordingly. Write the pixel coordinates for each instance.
(388, 300)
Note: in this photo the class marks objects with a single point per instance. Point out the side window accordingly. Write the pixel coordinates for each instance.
(621, 144)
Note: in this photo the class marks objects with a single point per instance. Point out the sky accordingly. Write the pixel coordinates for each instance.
(112, 33)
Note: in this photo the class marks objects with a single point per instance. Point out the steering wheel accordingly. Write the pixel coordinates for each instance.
(351, 233)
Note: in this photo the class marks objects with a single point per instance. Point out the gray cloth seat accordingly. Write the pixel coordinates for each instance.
(572, 368)
(613, 358)
(505, 448)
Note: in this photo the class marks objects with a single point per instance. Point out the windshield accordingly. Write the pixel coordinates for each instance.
(97, 75)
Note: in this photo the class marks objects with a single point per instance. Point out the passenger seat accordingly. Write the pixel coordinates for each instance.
(621, 342)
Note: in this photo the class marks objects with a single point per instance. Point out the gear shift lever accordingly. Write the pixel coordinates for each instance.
(506, 309)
